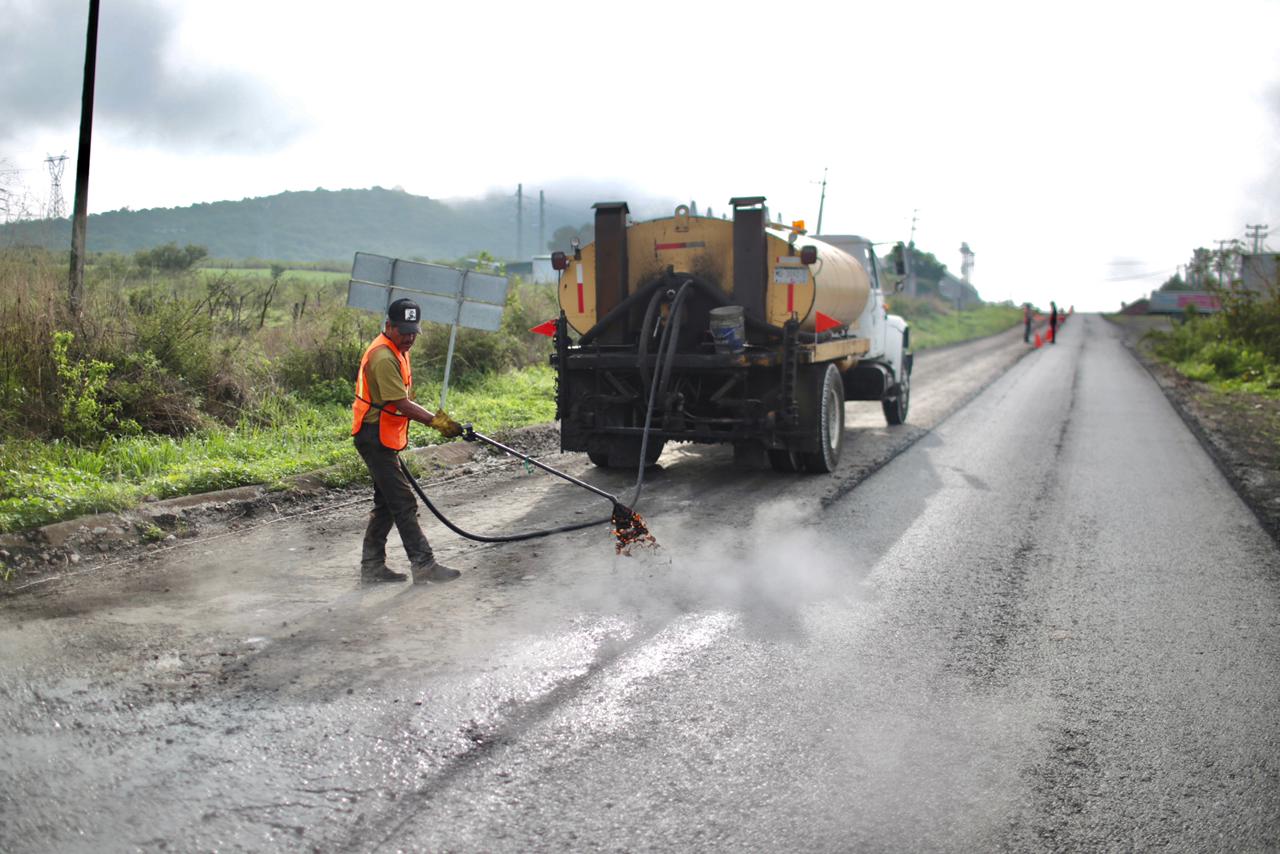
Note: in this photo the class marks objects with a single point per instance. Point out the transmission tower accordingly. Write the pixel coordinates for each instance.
(56, 165)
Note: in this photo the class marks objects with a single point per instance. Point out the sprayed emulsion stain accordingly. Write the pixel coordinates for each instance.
(630, 531)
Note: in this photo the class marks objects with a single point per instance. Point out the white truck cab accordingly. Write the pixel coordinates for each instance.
(884, 373)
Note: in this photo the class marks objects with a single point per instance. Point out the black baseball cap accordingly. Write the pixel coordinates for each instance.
(405, 315)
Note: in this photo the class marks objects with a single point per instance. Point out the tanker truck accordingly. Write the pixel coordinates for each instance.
(742, 331)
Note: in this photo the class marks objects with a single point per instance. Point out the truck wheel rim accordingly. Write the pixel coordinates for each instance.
(833, 419)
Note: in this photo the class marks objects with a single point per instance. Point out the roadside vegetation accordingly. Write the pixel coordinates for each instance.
(1234, 350)
(176, 380)
(934, 323)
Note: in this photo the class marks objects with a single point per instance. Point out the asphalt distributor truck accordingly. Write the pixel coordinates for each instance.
(742, 331)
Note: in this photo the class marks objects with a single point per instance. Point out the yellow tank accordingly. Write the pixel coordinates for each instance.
(835, 284)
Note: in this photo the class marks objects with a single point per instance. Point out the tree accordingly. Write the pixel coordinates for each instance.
(1175, 283)
(562, 238)
(277, 270)
(169, 258)
(927, 269)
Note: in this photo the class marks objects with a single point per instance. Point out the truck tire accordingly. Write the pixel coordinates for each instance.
(624, 453)
(895, 406)
(821, 400)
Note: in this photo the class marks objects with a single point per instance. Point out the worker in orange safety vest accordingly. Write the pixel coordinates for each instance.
(380, 417)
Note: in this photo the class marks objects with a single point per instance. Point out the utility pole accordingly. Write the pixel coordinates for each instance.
(1223, 254)
(520, 222)
(822, 200)
(910, 251)
(542, 222)
(1258, 233)
(80, 216)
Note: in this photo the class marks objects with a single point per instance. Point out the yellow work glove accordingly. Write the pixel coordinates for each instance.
(446, 425)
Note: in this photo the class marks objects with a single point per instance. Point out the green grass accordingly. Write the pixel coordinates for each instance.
(42, 482)
(934, 324)
(309, 277)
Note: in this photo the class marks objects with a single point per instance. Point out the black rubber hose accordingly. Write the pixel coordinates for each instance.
(502, 538)
(653, 388)
(645, 331)
(674, 318)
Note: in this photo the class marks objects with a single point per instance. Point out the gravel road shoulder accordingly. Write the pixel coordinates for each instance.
(1240, 431)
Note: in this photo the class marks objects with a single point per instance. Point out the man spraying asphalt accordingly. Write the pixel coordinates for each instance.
(380, 420)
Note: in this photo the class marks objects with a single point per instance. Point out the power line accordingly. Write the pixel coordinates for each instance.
(1140, 276)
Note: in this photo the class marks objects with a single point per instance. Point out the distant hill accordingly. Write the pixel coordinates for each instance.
(322, 225)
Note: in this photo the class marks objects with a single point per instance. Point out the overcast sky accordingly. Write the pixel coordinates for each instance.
(1082, 149)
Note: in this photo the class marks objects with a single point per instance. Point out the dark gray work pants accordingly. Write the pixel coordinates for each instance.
(393, 504)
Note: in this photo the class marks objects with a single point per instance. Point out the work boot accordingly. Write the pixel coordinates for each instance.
(435, 571)
(379, 572)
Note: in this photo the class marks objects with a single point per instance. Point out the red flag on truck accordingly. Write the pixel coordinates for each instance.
(822, 323)
(548, 329)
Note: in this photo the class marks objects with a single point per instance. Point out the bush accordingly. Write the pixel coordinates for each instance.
(326, 352)
(86, 414)
(153, 398)
(1252, 318)
(173, 353)
(1233, 349)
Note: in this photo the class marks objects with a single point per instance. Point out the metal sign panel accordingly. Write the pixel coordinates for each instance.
(1175, 302)
(448, 296)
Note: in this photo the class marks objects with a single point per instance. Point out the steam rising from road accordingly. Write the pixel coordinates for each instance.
(767, 568)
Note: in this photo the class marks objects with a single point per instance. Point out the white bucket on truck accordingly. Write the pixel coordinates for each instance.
(728, 329)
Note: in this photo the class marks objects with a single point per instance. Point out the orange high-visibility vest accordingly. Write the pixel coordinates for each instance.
(393, 428)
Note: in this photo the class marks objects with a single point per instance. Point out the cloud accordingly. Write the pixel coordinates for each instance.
(140, 91)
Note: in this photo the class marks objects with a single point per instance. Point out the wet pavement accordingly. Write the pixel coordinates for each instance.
(1035, 618)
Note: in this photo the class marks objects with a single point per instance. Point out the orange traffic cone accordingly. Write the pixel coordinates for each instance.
(1038, 341)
